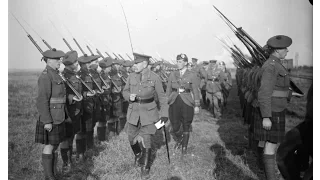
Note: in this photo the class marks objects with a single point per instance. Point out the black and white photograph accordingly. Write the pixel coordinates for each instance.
(159, 89)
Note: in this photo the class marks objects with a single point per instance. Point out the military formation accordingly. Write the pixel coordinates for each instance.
(109, 95)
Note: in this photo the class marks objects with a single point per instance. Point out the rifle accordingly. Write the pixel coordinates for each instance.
(41, 51)
(99, 53)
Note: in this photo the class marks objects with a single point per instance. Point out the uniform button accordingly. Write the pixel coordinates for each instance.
(139, 90)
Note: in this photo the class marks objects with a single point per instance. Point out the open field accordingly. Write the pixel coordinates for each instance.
(217, 149)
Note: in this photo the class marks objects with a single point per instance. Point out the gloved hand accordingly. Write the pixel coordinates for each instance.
(164, 119)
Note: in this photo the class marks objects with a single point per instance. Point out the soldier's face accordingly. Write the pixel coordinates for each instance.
(75, 66)
(181, 64)
(138, 67)
(55, 64)
(282, 53)
(94, 65)
(117, 66)
(157, 67)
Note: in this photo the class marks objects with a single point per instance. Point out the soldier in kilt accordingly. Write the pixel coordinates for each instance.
(98, 111)
(273, 100)
(88, 100)
(51, 106)
(116, 111)
(74, 107)
(105, 97)
(184, 101)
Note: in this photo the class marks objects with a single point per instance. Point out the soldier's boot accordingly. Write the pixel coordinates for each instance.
(178, 142)
(185, 141)
(66, 167)
(47, 166)
(81, 148)
(269, 166)
(101, 132)
(89, 139)
(54, 164)
(137, 153)
(146, 163)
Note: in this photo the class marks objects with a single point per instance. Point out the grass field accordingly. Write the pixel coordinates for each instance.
(217, 149)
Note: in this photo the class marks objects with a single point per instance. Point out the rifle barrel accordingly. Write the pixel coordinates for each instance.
(79, 46)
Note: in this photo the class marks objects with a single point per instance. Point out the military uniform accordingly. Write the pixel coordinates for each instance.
(226, 83)
(117, 99)
(51, 106)
(88, 101)
(183, 95)
(203, 83)
(74, 110)
(142, 112)
(273, 100)
(213, 88)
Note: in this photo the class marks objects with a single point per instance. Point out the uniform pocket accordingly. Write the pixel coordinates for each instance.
(57, 112)
(283, 79)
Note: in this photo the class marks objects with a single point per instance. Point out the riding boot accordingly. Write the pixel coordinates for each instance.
(185, 141)
(137, 153)
(47, 166)
(145, 162)
(89, 138)
(269, 166)
(177, 138)
(101, 132)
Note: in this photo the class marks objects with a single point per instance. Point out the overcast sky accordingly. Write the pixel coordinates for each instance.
(168, 27)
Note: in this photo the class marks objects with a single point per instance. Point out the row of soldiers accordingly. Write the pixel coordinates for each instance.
(264, 94)
(123, 93)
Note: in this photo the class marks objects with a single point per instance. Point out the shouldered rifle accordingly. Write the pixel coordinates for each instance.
(71, 87)
(96, 83)
(86, 85)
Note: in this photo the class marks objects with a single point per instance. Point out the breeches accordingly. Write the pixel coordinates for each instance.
(180, 114)
(136, 132)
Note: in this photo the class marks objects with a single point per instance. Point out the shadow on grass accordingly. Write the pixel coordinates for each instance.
(232, 132)
(158, 140)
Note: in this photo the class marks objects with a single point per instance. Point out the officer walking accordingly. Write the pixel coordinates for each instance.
(74, 107)
(204, 70)
(51, 102)
(184, 101)
(226, 81)
(213, 88)
(140, 90)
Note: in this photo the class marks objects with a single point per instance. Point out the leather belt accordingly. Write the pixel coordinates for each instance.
(277, 93)
(143, 101)
(181, 90)
(213, 80)
(57, 100)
